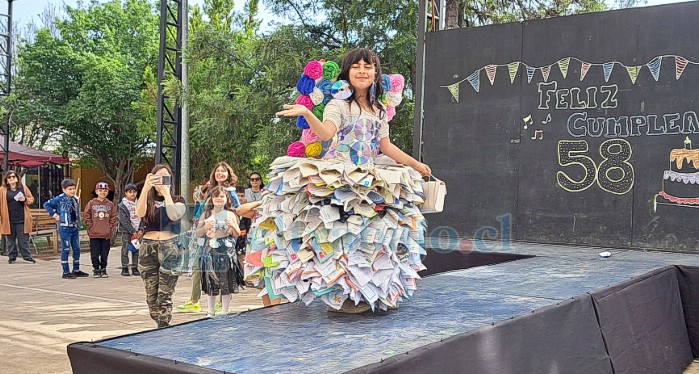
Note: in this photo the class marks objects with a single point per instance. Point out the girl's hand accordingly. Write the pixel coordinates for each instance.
(423, 169)
(209, 224)
(150, 181)
(162, 189)
(293, 110)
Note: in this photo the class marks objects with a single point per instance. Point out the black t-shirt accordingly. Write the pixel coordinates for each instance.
(16, 208)
(161, 221)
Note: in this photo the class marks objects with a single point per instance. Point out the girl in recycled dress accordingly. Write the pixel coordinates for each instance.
(346, 228)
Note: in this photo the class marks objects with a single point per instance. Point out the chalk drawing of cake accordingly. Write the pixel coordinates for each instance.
(681, 182)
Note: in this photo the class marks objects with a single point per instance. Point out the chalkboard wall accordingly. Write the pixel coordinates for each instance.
(563, 130)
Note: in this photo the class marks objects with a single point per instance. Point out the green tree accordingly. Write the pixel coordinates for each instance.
(92, 82)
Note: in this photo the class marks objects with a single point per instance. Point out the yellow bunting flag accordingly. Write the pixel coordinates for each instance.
(563, 65)
(454, 89)
(512, 68)
(633, 73)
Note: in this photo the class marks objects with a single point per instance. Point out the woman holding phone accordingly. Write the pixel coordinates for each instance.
(15, 216)
(159, 255)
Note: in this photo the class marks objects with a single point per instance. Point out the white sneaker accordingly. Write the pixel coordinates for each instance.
(210, 315)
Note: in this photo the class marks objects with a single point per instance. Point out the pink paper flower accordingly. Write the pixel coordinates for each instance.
(308, 136)
(296, 149)
(313, 69)
(397, 82)
(390, 112)
(306, 101)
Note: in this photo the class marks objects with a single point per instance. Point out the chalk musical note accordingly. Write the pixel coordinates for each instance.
(547, 120)
(527, 121)
(538, 134)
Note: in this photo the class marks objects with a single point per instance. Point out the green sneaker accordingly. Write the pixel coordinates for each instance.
(189, 307)
(217, 308)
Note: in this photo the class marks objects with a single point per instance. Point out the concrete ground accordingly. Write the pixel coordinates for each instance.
(43, 313)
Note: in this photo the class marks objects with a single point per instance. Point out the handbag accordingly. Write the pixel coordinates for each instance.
(435, 192)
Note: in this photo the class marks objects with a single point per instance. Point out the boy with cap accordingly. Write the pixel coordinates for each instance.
(129, 228)
(101, 219)
(66, 210)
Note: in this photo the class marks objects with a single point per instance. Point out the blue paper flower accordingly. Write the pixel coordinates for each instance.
(305, 85)
(385, 82)
(302, 123)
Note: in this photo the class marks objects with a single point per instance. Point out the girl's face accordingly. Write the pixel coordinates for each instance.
(221, 174)
(220, 199)
(131, 195)
(362, 75)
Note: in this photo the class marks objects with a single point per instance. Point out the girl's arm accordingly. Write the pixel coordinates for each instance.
(201, 228)
(142, 203)
(390, 150)
(325, 130)
(248, 209)
(233, 226)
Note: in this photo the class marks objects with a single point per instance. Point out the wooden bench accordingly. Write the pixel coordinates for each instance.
(44, 226)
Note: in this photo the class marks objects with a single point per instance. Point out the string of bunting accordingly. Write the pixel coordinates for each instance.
(563, 64)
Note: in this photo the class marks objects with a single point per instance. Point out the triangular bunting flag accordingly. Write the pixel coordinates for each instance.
(633, 73)
(654, 67)
(475, 80)
(680, 64)
(454, 89)
(512, 68)
(530, 73)
(583, 70)
(607, 66)
(490, 70)
(545, 71)
(563, 65)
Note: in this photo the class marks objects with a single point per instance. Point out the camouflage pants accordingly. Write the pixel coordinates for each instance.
(158, 262)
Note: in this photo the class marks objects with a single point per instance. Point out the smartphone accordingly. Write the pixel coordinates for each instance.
(165, 180)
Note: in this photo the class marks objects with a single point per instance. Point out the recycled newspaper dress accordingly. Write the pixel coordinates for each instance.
(346, 226)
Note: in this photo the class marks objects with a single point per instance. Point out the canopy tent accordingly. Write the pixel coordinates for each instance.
(29, 157)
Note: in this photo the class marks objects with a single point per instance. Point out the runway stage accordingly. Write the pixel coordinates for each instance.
(555, 309)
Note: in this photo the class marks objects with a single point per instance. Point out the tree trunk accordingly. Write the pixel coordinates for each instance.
(454, 14)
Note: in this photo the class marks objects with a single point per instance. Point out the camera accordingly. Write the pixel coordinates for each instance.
(165, 180)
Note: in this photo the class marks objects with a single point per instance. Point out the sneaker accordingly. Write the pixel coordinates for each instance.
(135, 271)
(68, 276)
(96, 273)
(189, 307)
(10, 261)
(218, 307)
(103, 273)
(125, 272)
(348, 307)
(80, 274)
(33, 261)
(209, 315)
(163, 324)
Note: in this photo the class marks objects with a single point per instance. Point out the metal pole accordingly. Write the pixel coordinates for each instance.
(184, 140)
(419, 78)
(8, 72)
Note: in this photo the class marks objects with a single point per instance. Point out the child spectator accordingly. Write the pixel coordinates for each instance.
(129, 224)
(100, 218)
(65, 209)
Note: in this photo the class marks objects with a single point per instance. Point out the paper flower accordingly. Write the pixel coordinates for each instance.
(296, 149)
(317, 96)
(318, 111)
(330, 70)
(397, 83)
(308, 137)
(314, 149)
(382, 99)
(313, 70)
(306, 101)
(341, 90)
(390, 112)
(302, 123)
(305, 85)
(394, 98)
(385, 82)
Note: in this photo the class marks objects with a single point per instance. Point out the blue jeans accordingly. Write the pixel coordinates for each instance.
(70, 237)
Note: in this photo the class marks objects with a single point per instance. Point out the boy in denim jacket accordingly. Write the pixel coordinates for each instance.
(66, 210)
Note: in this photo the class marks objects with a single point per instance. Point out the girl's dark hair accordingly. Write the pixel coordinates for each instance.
(232, 178)
(353, 57)
(9, 174)
(215, 191)
(150, 202)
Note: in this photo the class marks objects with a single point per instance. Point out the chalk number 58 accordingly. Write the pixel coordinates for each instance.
(614, 174)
